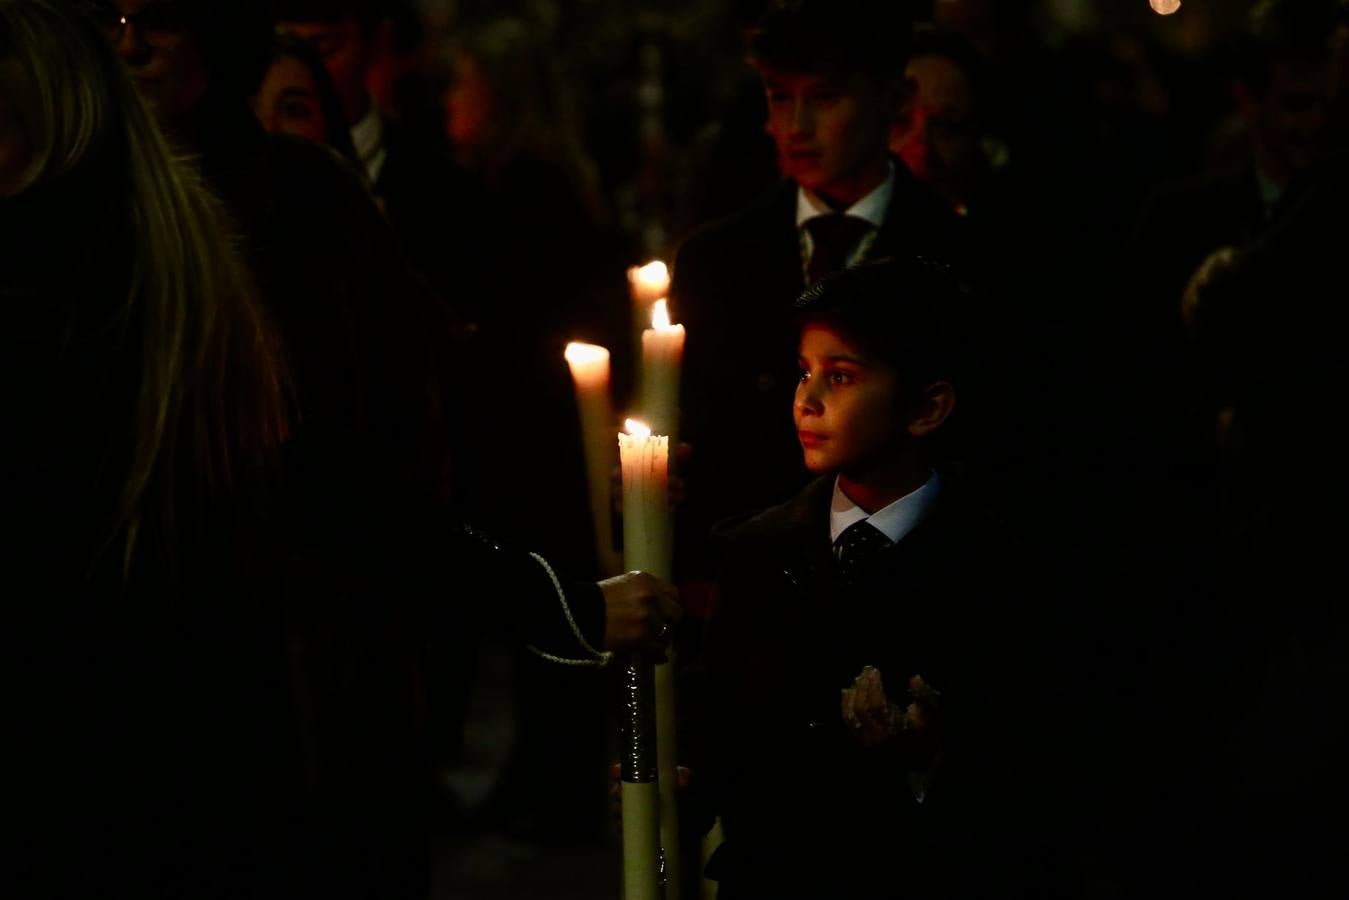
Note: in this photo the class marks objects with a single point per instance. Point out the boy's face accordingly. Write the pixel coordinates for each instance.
(847, 410)
(831, 131)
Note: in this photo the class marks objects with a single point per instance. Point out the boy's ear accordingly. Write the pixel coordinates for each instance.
(933, 406)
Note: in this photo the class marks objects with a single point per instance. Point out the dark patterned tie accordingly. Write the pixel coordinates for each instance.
(834, 235)
(858, 542)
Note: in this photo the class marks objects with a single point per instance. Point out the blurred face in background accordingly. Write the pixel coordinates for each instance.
(831, 130)
(288, 101)
(939, 139)
(346, 53)
(1287, 118)
(166, 59)
(468, 103)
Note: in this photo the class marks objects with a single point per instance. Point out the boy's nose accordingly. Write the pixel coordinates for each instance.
(807, 399)
(803, 117)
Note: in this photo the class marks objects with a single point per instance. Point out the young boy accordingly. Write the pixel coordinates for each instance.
(858, 656)
(834, 83)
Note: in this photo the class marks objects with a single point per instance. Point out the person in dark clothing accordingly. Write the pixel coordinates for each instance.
(884, 581)
(144, 669)
(326, 774)
(1255, 740)
(942, 137)
(834, 79)
(1282, 87)
(436, 209)
(510, 123)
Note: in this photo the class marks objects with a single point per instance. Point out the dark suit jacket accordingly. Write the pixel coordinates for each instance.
(734, 285)
(438, 211)
(802, 803)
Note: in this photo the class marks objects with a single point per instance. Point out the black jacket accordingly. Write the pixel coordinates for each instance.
(802, 803)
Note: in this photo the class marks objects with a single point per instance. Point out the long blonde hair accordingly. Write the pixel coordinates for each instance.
(210, 395)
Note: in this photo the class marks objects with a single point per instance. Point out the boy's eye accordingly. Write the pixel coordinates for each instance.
(777, 96)
(803, 375)
(839, 376)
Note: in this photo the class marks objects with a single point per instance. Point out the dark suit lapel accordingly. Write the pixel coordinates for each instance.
(781, 261)
(917, 221)
(797, 531)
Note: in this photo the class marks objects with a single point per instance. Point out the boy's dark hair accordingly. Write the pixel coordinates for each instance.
(1284, 30)
(869, 37)
(911, 313)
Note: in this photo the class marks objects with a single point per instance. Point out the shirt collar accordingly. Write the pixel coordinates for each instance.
(872, 207)
(894, 521)
(1270, 192)
(368, 136)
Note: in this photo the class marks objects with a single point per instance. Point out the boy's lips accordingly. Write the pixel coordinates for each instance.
(810, 438)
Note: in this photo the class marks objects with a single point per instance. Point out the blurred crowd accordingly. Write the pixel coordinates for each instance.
(357, 236)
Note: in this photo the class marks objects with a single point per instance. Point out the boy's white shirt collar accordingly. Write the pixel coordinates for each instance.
(894, 521)
(368, 137)
(872, 207)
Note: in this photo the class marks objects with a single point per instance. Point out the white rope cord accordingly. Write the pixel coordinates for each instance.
(601, 658)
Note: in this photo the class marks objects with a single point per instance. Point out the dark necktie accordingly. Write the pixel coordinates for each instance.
(834, 235)
(859, 542)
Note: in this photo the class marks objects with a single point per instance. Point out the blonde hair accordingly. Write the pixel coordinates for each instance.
(211, 385)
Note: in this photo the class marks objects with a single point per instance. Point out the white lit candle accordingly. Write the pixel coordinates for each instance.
(662, 356)
(589, 366)
(646, 284)
(649, 283)
(645, 459)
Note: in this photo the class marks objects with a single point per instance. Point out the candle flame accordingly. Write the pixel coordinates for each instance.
(1164, 7)
(660, 315)
(653, 274)
(637, 428)
(578, 353)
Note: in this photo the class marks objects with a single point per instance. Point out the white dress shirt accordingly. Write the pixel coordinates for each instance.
(894, 521)
(368, 136)
(872, 207)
